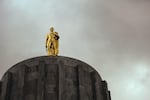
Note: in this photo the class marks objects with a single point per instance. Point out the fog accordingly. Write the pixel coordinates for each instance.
(110, 35)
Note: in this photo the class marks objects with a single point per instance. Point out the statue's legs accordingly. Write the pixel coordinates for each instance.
(55, 48)
(50, 49)
(48, 52)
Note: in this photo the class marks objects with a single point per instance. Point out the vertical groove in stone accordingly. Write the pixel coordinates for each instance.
(85, 83)
(60, 77)
(78, 83)
(24, 86)
(20, 83)
(59, 83)
(35, 84)
(69, 82)
(41, 81)
(93, 85)
(96, 86)
(3, 93)
(57, 87)
(9, 86)
(0, 89)
(30, 87)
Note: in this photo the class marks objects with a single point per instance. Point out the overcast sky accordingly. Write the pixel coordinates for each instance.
(113, 36)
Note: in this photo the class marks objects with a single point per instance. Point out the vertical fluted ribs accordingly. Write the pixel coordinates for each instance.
(68, 82)
(53, 78)
(30, 83)
(41, 81)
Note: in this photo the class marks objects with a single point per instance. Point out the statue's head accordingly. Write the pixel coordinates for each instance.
(52, 29)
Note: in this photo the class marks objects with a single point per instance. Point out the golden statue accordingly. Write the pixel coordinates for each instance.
(52, 42)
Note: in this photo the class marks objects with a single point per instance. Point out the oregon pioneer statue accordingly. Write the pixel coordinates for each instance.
(52, 42)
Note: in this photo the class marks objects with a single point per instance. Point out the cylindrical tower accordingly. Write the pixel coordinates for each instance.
(53, 78)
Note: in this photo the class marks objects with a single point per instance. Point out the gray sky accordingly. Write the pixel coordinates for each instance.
(110, 35)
